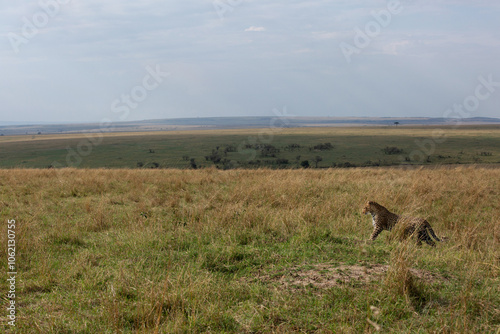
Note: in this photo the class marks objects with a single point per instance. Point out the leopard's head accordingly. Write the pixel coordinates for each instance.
(369, 207)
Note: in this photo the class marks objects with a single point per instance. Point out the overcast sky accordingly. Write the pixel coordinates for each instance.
(86, 61)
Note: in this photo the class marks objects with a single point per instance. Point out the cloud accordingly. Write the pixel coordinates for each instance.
(253, 28)
(328, 35)
(94, 51)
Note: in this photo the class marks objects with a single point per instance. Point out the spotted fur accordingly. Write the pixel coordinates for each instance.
(383, 219)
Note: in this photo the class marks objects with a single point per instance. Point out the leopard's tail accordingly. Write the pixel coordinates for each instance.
(431, 231)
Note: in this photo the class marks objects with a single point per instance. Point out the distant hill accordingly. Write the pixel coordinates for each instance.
(176, 124)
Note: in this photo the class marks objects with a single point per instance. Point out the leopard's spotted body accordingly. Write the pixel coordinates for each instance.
(383, 219)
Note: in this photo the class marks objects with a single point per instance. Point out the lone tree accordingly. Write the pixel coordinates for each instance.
(316, 160)
(396, 123)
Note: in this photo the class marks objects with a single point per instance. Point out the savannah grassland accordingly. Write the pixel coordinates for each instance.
(250, 251)
(274, 147)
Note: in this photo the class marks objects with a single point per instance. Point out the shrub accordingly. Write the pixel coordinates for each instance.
(346, 164)
(292, 147)
(268, 151)
(323, 147)
(230, 148)
(192, 164)
(215, 157)
(389, 150)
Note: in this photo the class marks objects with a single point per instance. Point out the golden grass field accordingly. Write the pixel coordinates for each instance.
(250, 251)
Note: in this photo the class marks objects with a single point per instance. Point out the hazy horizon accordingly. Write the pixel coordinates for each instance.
(73, 62)
(219, 122)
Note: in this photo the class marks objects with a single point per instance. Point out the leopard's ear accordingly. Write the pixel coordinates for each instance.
(370, 202)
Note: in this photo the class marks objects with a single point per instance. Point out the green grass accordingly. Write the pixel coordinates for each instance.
(178, 251)
(352, 146)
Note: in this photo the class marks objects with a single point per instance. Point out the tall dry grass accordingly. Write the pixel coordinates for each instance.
(146, 248)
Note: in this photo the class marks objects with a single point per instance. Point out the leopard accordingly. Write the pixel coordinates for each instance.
(383, 219)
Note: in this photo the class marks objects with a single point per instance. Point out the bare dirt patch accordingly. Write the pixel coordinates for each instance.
(328, 275)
